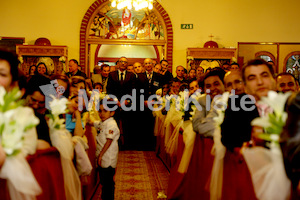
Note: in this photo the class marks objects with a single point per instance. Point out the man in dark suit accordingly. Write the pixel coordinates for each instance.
(120, 83)
(154, 78)
(74, 69)
(150, 82)
(180, 74)
(101, 75)
(166, 75)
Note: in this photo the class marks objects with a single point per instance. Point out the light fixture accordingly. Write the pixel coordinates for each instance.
(136, 4)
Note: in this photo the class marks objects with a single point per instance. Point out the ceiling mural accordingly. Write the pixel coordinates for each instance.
(112, 23)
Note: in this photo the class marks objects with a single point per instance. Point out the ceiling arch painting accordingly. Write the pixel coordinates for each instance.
(112, 23)
(104, 24)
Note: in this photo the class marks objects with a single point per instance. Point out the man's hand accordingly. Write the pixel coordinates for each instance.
(238, 153)
(256, 131)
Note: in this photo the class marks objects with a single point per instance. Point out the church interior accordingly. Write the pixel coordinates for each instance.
(171, 161)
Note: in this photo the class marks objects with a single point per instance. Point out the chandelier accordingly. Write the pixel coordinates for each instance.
(136, 4)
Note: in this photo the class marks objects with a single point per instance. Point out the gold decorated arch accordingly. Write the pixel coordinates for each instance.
(103, 24)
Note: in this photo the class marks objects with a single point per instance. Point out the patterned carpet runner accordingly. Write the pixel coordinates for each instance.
(140, 176)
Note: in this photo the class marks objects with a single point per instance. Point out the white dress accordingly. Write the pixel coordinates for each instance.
(267, 172)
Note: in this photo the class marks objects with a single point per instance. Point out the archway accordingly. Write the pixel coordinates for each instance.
(94, 11)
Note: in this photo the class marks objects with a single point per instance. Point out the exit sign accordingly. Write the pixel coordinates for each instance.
(187, 26)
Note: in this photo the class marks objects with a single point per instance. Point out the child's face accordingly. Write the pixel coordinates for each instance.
(98, 87)
(105, 114)
(73, 106)
(165, 91)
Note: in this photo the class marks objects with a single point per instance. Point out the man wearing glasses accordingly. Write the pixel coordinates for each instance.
(120, 83)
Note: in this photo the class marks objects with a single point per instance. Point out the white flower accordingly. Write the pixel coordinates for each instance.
(57, 123)
(25, 117)
(274, 137)
(273, 122)
(20, 58)
(220, 105)
(2, 93)
(182, 101)
(261, 122)
(11, 139)
(58, 106)
(62, 59)
(16, 122)
(276, 101)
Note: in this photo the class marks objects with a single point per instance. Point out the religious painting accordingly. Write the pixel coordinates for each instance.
(112, 23)
(293, 66)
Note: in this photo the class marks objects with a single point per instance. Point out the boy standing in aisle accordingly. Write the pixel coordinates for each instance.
(107, 150)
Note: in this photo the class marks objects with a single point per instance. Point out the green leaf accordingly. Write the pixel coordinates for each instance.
(29, 127)
(1, 129)
(14, 153)
(265, 137)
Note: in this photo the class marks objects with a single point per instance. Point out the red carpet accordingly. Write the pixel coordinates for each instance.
(139, 176)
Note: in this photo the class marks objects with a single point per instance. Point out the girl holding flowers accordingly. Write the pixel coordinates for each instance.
(18, 136)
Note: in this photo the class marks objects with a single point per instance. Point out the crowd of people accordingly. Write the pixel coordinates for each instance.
(133, 124)
(237, 163)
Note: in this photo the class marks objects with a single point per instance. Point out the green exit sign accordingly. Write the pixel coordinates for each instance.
(187, 26)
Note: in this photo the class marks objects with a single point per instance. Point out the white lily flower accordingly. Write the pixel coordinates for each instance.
(14, 121)
(263, 122)
(24, 116)
(220, 105)
(12, 132)
(274, 137)
(62, 59)
(274, 121)
(2, 94)
(276, 101)
(11, 139)
(58, 106)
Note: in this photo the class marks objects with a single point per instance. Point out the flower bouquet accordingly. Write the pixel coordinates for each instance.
(266, 165)
(17, 135)
(274, 121)
(62, 59)
(62, 140)
(185, 104)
